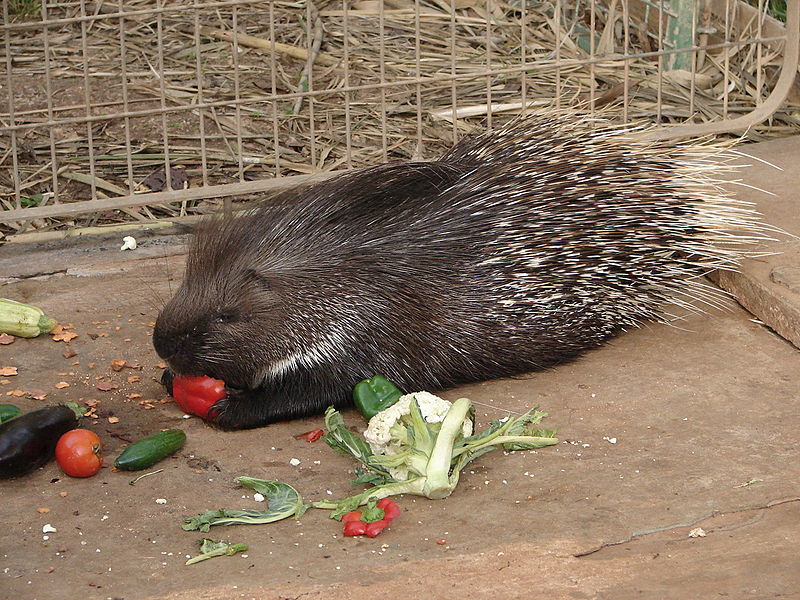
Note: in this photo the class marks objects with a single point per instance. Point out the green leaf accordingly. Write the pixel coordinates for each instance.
(209, 518)
(467, 457)
(493, 427)
(341, 439)
(283, 502)
(79, 411)
(211, 548)
(281, 497)
(371, 513)
(31, 201)
(520, 424)
(364, 476)
(529, 443)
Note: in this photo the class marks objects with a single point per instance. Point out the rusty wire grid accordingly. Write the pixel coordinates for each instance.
(139, 111)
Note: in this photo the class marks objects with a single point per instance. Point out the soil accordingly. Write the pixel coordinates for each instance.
(676, 475)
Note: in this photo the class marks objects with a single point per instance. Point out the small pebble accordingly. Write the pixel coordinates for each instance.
(161, 500)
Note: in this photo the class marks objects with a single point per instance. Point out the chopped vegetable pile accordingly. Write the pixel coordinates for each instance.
(416, 445)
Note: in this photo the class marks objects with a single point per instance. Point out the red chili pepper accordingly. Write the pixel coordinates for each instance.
(374, 528)
(310, 436)
(355, 525)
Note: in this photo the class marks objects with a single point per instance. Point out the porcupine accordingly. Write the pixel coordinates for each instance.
(521, 248)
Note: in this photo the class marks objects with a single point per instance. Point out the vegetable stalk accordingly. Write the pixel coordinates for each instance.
(437, 482)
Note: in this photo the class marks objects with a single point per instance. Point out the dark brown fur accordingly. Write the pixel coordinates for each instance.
(518, 250)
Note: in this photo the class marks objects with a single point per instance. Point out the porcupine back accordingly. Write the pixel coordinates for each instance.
(519, 249)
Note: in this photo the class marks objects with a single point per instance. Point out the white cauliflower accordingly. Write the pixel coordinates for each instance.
(420, 444)
(386, 432)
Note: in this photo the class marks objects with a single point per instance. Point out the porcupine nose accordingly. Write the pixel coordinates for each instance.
(166, 346)
(166, 340)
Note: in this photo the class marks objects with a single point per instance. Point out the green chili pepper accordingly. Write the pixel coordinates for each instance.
(371, 396)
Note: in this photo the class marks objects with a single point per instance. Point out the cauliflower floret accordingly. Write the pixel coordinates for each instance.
(384, 438)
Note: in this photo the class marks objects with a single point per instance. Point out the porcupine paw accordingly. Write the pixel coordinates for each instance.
(239, 409)
(166, 379)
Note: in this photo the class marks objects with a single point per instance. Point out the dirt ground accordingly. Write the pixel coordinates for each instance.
(664, 430)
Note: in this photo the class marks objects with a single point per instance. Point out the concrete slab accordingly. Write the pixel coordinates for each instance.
(665, 430)
(769, 287)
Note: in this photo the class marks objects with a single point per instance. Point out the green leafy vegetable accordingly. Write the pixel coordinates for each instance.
(422, 441)
(210, 548)
(283, 501)
(341, 439)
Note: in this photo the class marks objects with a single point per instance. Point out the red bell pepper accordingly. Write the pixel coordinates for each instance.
(372, 520)
(310, 436)
(196, 395)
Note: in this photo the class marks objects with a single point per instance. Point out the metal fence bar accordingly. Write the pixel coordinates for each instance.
(274, 90)
(49, 89)
(236, 92)
(198, 70)
(11, 117)
(382, 71)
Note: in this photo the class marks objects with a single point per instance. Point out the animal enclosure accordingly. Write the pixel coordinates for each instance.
(153, 110)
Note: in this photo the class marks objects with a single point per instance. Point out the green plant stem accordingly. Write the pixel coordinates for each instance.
(437, 483)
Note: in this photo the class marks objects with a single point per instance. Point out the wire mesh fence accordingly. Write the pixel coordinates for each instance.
(151, 109)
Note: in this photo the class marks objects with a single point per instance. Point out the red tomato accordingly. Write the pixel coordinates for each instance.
(78, 453)
(196, 395)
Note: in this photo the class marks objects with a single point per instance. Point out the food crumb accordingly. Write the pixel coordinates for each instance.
(697, 532)
(161, 500)
(47, 528)
(294, 462)
(258, 497)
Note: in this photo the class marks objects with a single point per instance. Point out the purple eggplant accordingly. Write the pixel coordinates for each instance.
(29, 441)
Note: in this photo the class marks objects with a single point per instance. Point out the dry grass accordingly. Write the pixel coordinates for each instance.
(404, 89)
